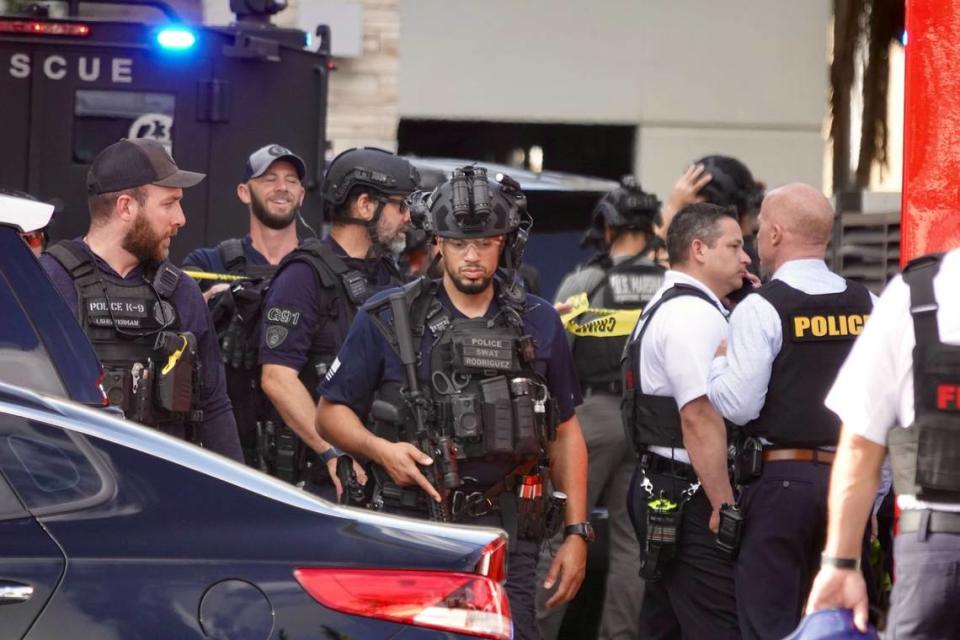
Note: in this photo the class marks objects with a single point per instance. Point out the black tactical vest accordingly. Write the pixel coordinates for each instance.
(343, 291)
(479, 377)
(818, 332)
(652, 420)
(627, 285)
(236, 311)
(134, 329)
(926, 455)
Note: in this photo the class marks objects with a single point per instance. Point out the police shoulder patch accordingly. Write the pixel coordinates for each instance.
(286, 316)
(275, 335)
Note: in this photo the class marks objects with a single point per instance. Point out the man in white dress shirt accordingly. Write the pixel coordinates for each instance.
(899, 389)
(682, 480)
(787, 342)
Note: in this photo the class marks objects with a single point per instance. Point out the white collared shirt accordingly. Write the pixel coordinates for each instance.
(873, 392)
(679, 346)
(738, 381)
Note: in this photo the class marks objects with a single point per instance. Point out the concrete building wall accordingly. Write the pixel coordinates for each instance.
(746, 77)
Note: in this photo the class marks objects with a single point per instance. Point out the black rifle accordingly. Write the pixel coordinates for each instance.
(444, 473)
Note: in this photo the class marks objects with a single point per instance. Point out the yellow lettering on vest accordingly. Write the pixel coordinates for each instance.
(818, 325)
(856, 324)
(800, 324)
(844, 326)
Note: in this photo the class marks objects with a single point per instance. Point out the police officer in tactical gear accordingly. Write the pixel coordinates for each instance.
(621, 276)
(315, 294)
(899, 392)
(681, 483)
(147, 321)
(272, 190)
(787, 343)
(476, 393)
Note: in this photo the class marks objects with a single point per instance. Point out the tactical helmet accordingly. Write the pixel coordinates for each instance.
(732, 184)
(469, 205)
(367, 167)
(628, 207)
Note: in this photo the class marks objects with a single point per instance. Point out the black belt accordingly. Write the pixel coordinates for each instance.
(654, 463)
(940, 521)
(615, 387)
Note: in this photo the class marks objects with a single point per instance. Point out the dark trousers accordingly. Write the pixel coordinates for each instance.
(785, 512)
(785, 526)
(695, 597)
(521, 583)
(926, 592)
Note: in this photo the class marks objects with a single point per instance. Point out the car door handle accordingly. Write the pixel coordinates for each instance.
(13, 592)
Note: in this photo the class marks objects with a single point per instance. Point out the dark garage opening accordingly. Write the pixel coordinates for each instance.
(604, 151)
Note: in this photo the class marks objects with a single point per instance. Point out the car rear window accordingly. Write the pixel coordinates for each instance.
(50, 469)
(23, 358)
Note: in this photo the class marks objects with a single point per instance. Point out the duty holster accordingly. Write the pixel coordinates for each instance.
(748, 461)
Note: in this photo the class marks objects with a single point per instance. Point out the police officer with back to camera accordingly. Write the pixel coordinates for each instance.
(621, 276)
(899, 392)
(681, 483)
(475, 391)
(787, 343)
(272, 190)
(146, 319)
(315, 294)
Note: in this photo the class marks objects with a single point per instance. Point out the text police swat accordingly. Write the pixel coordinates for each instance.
(87, 68)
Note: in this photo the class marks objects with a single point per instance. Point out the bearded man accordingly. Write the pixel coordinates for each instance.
(147, 321)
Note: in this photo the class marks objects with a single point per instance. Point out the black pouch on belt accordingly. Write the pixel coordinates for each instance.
(748, 463)
(662, 524)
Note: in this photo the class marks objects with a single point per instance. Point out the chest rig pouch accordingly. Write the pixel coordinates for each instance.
(926, 455)
(151, 368)
(485, 388)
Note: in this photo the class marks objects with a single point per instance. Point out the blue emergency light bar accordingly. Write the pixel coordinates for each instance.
(176, 38)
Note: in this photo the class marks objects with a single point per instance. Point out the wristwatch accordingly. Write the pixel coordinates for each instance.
(582, 529)
(329, 455)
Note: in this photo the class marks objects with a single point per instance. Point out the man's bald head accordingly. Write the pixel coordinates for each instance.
(802, 211)
(796, 221)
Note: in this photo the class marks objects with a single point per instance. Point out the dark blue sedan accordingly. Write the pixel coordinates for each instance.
(113, 530)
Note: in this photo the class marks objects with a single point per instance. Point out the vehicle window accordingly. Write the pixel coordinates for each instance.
(52, 470)
(23, 358)
(100, 118)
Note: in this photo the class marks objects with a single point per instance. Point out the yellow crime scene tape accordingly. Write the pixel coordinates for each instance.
(219, 277)
(605, 323)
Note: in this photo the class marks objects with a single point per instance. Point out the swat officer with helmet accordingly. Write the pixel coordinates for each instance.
(476, 392)
(315, 294)
(621, 276)
(147, 321)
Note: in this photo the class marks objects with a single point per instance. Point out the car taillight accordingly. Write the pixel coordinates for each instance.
(493, 561)
(464, 603)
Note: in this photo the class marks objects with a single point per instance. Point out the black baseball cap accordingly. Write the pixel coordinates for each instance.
(261, 159)
(136, 162)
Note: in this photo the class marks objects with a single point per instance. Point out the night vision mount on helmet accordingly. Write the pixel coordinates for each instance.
(626, 208)
(470, 205)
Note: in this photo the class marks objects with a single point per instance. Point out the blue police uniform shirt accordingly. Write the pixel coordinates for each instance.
(366, 361)
(297, 288)
(219, 429)
(208, 258)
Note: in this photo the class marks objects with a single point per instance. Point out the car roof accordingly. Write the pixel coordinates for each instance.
(102, 424)
(24, 214)
(433, 171)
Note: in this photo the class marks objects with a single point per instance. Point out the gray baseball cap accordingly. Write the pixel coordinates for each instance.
(261, 159)
(131, 163)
